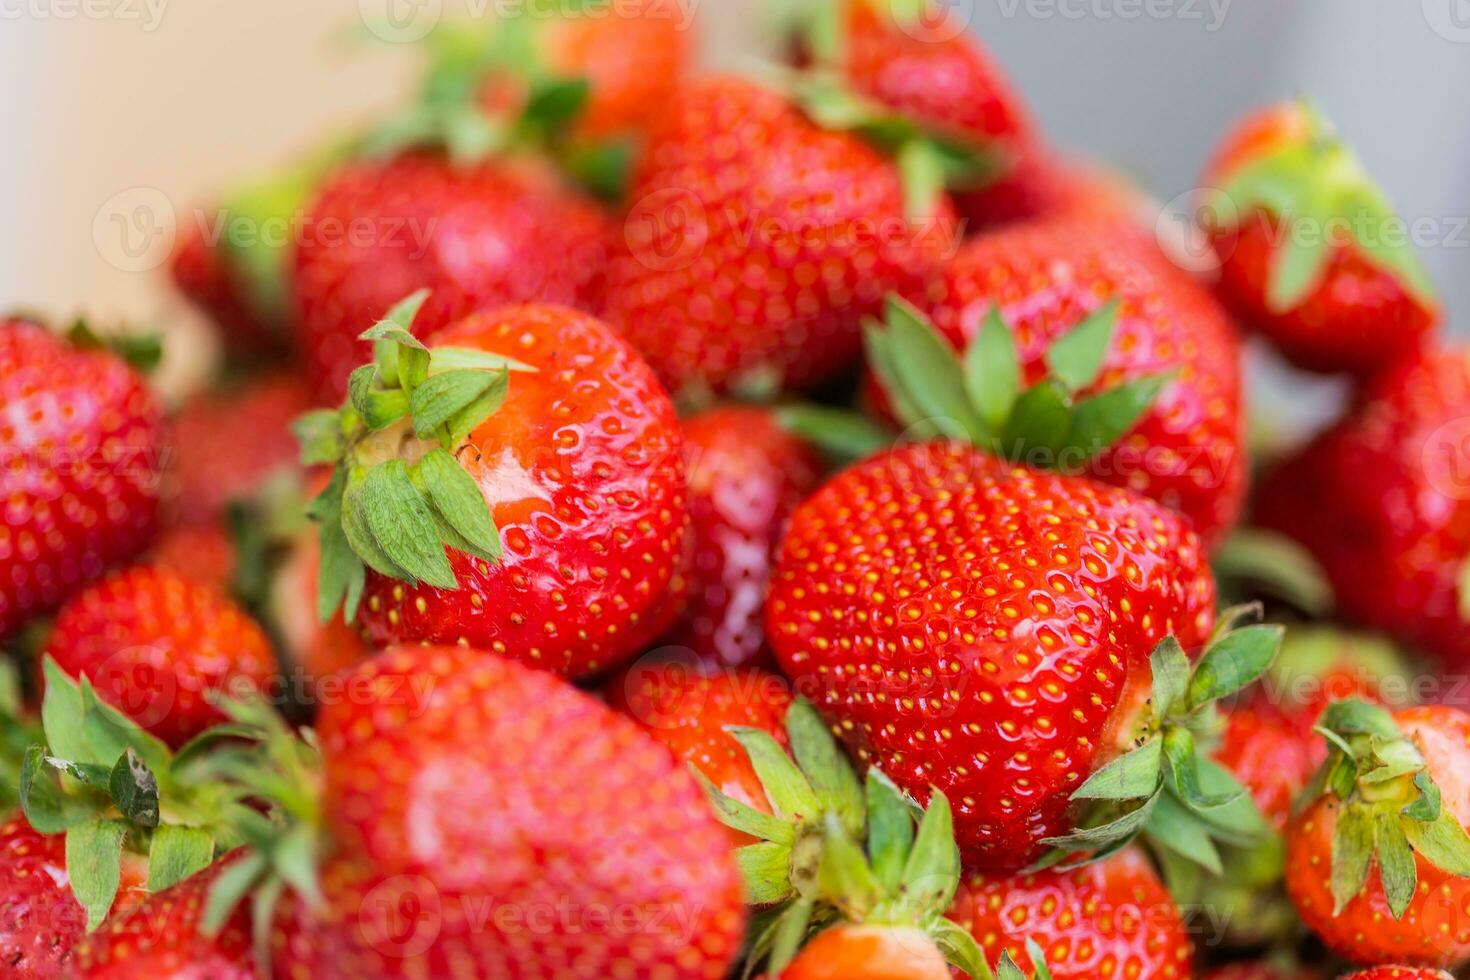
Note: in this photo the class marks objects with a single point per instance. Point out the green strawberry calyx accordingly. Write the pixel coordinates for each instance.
(837, 849)
(1166, 788)
(142, 351)
(1317, 190)
(111, 787)
(398, 499)
(1391, 812)
(1062, 422)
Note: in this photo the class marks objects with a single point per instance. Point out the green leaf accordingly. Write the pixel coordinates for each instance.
(923, 175)
(458, 499)
(1170, 666)
(878, 344)
(845, 878)
(94, 866)
(445, 359)
(1133, 776)
(1298, 267)
(61, 715)
(443, 396)
(1114, 832)
(1278, 565)
(1039, 969)
(229, 889)
(765, 870)
(841, 434)
(1099, 422)
(890, 829)
(134, 789)
(1443, 842)
(1352, 854)
(1173, 826)
(177, 852)
(746, 819)
(1233, 662)
(791, 929)
(319, 434)
(556, 102)
(469, 418)
(790, 794)
(927, 368)
(1076, 358)
(1396, 867)
(340, 572)
(1353, 716)
(993, 372)
(960, 948)
(110, 733)
(397, 323)
(932, 874)
(47, 808)
(1007, 969)
(1183, 759)
(825, 765)
(1038, 426)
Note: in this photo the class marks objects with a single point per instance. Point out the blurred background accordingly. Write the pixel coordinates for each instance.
(119, 113)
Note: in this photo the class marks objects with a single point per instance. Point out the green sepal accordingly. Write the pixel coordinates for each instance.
(94, 866)
(175, 853)
(1252, 558)
(744, 818)
(827, 770)
(838, 433)
(1076, 358)
(790, 794)
(890, 829)
(142, 351)
(134, 790)
(765, 870)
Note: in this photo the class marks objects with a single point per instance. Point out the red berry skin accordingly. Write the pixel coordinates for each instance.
(1113, 919)
(201, 272)
(1359, 316)
(746, 475)
(82, 443)
(1188, 450)
(230, 443)
(1256, 971)
(199, 552)
(1435, 930)
(973, 626)
(1382, 501)
(161, 938)
(40, 920)
(757, 242)
(511, 808)
(1273, 754)
(689, 713)
(859, 952)
(583, 468)
(157, 645)
(1399, 973)
(479, 237)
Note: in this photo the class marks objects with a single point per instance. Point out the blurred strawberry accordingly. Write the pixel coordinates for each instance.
(746, 475)
(82, 445)
(758, 241)
(1382, 500)
(202, 271)
(158, 647)
(1313, 255)
(479, 235)
(199, 552)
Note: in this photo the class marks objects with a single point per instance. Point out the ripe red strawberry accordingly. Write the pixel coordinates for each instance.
(163, 937)
(40, 920)
(157, 646)
(480, 236)
(83, 445)
(461, 781)
(856, 952)
(1042, 184)
(1381, 501)
(1257, 971)
(203, 271)
(557, 490)
(1313, 256)
(757, 241)
(1000, 657)
(311, 648)
(198, 552)
(232, 442)
(1377, 861)
(1399, 973)
(746, 475)
(1112, 919)
(1044, 280)
(691, 714)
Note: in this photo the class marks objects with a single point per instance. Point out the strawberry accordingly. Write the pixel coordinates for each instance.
(199, 552)
(1312, 254)
(746, 475)
(1257, 971)
(311, 647)
(1109, 919)
(40, 920)
(1392, 795)
(1399, 973)
(232, 442)
(1091, 287)
(693, 714)
(1380, 500)
(1006, 655)
(758, 241)
(163, 937)
(537, 512)
(854, 952)
(461, 781)
(203, 272)
(158, 647)
(480, 235)
(83, 441)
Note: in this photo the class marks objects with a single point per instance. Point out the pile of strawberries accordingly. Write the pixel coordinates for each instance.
(652, 526)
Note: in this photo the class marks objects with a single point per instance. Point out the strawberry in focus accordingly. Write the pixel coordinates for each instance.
(480, 236)
(746, 475)
(84, 445)
(757, 241)
(159, 647)
(1308, 249)
(528, 499)
(461, 778)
